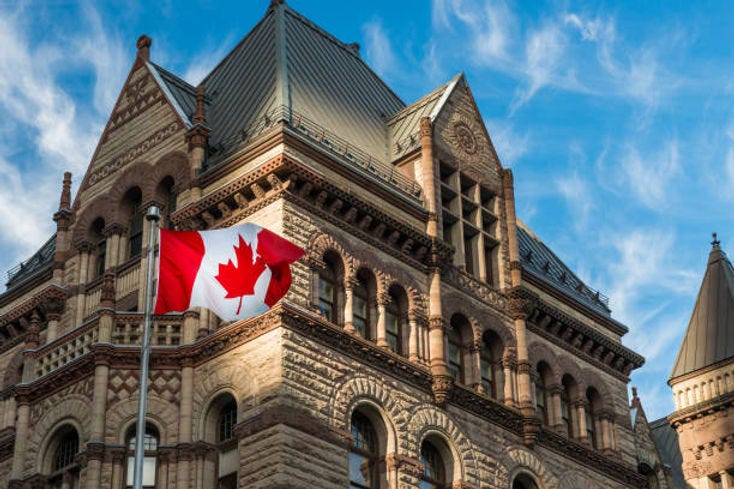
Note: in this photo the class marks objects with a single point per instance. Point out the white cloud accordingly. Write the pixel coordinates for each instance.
(650, 176)
(511, 145)
(577, 193)
(378, 49)
(205, 61)
(544, 54)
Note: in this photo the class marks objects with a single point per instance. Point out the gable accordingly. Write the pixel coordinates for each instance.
(462, 140)
(144, 124)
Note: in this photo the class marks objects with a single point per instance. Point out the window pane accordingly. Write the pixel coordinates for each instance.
(360, 470)
(391, 323)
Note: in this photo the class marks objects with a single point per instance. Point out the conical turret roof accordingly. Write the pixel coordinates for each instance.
(709, 338)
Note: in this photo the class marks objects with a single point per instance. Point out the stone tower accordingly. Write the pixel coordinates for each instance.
(703, 381)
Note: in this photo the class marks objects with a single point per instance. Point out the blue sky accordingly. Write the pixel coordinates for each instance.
(616, 117)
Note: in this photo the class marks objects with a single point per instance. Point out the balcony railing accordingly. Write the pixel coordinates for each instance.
(352, 156)
(127, 329)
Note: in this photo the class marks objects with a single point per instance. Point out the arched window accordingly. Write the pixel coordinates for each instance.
(489, 354)
(363, 454)
(524, 481)
(218, 429)
(541, 392)
(100, 247)
(434, 469)
(652, 479)
(396, 312)
(165, 193)
(150, 447)
(63, 450)
(132, 203)
(459, 336)
(567, 395)
(363, 303)
(330, 287)
(593, 409)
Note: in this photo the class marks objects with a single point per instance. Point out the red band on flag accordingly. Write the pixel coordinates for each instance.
(181, 253)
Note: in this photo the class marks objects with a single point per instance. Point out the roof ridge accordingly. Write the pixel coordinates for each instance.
(237, 46)
(174, 78)
(417, 103)
(342, 45)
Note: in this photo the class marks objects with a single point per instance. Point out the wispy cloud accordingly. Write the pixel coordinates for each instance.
(378, 49)
(202, 63)
(650, 175)
(510, 142)
(40, 111)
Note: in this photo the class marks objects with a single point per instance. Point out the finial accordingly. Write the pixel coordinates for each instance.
(715, 243)
(275, 3)
(143, 45)
(634, 392)
(65, 201)
(200, 113)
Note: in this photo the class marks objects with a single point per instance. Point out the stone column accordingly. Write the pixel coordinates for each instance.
(348, 306)
(580, 415)
(21, 440)
(554, 407)
(508, 365)
(114, 254)
(381, 334)
(85, 251)
(190, 326)
(407, 470)
(725, 480)
(413, 346)
(475, 351)
(117, 458)
(93, 471)
(9, 412)
(52, 326)
(63, 218)
(184, 427)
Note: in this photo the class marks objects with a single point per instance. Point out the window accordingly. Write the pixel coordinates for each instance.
(360, 310)
(150, 447)
(226, 421)
(524, 481)
(487, 371)
(329, 287)
(567, 415)
(434, 471)
(392, 327)
(593, 409)
(455, 364)
(326, 296)
(132, 203)
(100, 250)
(541, 392)
(63, 451)
(363, 454)
(490, 352)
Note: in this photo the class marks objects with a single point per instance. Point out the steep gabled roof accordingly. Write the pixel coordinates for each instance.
(181, 94)
(709, 338)
(285, 67)
(538, 260)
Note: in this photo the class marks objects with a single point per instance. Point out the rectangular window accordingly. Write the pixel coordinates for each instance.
(326, 299)
(487, 377)
(359, 315)
(392, 331)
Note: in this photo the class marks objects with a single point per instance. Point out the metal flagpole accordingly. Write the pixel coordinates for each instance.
(153, 216)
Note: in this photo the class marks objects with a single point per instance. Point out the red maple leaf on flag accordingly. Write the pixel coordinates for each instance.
(239, 280)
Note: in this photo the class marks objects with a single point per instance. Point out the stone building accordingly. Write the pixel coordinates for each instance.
(702, 381)
(429, 339)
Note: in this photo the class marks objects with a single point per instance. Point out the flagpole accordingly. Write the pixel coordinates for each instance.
(153, 216)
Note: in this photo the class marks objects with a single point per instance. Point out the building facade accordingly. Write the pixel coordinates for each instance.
(429, 339)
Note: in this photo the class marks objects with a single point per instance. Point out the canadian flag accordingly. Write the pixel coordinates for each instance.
(237, 272)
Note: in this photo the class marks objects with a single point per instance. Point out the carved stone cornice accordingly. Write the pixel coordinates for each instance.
(487, 408)
(571, 334)
(701, 409)
(477, 289)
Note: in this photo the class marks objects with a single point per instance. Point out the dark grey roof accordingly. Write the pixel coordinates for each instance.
(183, 93)
(285, 66)
(666, 439)
(36, 264)
(538, 260)
(709, 338)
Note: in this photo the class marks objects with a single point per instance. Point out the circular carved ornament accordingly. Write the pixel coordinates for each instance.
(464, 138)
